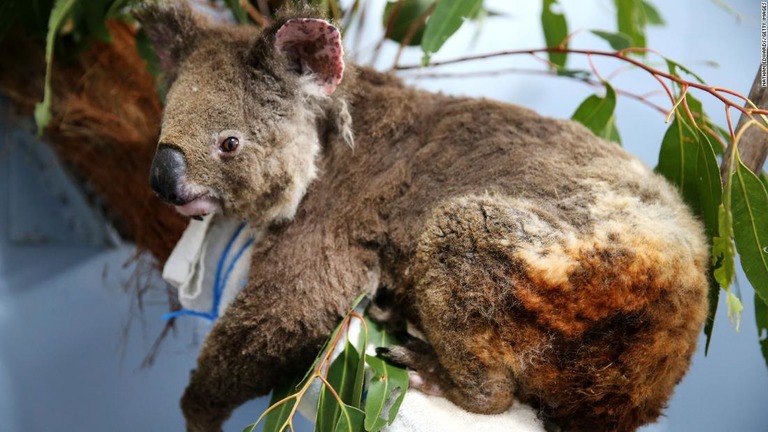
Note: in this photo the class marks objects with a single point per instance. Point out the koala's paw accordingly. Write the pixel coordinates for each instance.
(425, 372)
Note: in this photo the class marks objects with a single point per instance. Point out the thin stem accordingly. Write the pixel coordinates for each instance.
(658, 74)
(643, 98)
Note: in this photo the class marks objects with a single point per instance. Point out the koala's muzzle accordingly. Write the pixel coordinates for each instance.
(166, 174)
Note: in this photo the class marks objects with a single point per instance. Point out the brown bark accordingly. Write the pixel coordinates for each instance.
(753, 146)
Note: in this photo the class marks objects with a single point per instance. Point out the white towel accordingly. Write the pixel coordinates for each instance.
(210, 249)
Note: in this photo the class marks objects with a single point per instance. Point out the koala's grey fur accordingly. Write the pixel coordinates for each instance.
(539, 261)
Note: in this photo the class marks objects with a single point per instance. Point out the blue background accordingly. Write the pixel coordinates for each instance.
(72, 336)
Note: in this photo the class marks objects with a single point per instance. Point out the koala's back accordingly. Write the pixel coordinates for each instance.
(534, 256)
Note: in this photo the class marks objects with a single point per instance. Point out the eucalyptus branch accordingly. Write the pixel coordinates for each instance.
(753, 147)
(659, 75)
(642, 98)
(320, 372)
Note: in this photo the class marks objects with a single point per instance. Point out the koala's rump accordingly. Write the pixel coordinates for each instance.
(561, 257)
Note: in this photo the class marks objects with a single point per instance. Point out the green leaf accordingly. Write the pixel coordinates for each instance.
(723, 252)
(555, 31)
(734, 308)
(408, 12)
(342, 376)
(146, 51)
(714, 298)
(386, 391)
(688, 161)
(352, 420)
(237, 11)
(59, 13)
(761, 319)
(484, 13)
(597, 114)
(617, 41)
(359, 382)
(652, 15)
(631, 20)
(278, 417)
(581, 74)
(611, 132)
(749, 207)
(673, 66)
(445, 20)
(723, 256)
(94, 12)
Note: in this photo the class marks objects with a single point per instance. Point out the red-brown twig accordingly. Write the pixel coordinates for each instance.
(642, 98)
(620, 55)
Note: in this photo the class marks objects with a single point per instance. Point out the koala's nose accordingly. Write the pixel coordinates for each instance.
(168, 167)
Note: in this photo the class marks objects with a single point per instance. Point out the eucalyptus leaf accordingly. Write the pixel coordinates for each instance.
(723, 252)
(94, 13)
(734, 308)
(597, 114)
(353, 420)
(59, 14)
(611, 132)
(555, 30)
(359, 381)
(673, 66)
(147, 52)
(630, 16)
(276, 418)
(377, 336)
(749, 206)
(617, 40)
(386, 391)
(408, 13)
(581, 74)
(688, 161)
(723, 257)
(713, 298)
(342, 376)
(445, 20)
(237, 11)
(652, 15)
(761, 319)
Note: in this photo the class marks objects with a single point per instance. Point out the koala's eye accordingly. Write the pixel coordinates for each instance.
(229, 144)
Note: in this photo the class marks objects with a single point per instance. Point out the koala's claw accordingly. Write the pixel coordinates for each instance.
(425, 372)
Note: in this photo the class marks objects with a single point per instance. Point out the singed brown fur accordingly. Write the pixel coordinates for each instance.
(539, 261)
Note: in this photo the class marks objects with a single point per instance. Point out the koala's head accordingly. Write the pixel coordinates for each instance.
(240, 127)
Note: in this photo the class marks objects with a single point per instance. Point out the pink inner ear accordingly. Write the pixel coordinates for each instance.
(313, 44)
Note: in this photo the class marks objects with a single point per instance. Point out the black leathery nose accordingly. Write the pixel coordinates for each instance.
(168, 167)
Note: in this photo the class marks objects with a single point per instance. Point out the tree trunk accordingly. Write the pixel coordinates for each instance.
(753, 146)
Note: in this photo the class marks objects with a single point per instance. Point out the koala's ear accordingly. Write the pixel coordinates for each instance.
(172, 28)
(313, 46)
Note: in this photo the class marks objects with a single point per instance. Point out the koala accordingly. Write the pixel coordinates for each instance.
(539, 262)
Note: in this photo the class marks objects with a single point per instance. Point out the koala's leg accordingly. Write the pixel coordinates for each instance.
(462, 287)
(594, 324)
(298, 291)
(253, 347)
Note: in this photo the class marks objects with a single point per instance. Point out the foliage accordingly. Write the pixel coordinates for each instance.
(340, 404)
(733, 211)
